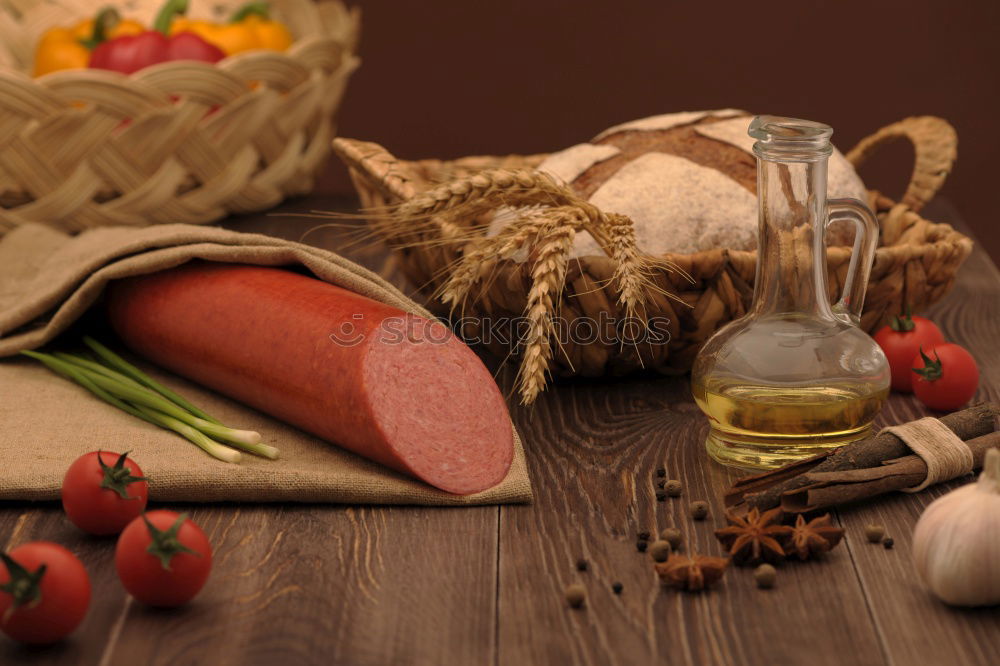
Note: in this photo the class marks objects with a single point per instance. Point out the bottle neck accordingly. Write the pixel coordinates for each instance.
(791, 265)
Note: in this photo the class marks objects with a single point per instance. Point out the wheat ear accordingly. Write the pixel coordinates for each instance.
(467, 270)
(488, 189)
(548, 275)
(631, 275)
(548, 217)
(447, 211)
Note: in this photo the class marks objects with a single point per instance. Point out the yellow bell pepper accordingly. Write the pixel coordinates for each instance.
(69, 48)
(249, 28)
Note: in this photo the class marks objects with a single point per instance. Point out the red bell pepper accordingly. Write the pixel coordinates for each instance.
(132, 53)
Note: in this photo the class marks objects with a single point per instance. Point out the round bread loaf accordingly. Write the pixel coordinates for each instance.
(688, 181)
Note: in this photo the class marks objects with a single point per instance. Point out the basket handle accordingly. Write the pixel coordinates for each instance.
(935, 145)
(380, 168)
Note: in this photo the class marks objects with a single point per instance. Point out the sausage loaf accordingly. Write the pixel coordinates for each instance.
(387, 385)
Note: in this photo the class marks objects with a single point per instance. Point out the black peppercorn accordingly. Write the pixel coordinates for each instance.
(888, 543)
(616, 587)
(661, 472)
(660, 484)
(641, 546)
(581, 565)
(661, 497)
(643, 536)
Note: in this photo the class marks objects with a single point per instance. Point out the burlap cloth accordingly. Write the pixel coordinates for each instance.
(48, 280)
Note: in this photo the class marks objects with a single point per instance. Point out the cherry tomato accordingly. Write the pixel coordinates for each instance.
(901, 340)
(44, 592)
(163, 558)
(945, 377)
(103, 498)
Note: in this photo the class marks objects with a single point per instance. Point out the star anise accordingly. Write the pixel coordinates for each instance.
(755, 537)
(691, 572)
(814, 538)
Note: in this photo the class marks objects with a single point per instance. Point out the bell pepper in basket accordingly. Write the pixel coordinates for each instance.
(69, 48)
(250, 27)
(132, 53)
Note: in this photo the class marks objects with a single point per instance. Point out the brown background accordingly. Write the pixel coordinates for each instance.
(448, 78)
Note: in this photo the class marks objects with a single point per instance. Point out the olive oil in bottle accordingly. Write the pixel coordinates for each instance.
(769, 426)
(796, 375)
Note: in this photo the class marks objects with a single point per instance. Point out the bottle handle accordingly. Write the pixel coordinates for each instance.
(852, 299)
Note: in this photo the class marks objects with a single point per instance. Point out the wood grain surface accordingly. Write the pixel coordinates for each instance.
(311, 584)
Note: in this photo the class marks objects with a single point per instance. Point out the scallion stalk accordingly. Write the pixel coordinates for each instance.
(126, 393)
(137, 395)
(244, 439)
(70, 372)
(88, 364)
(128, 388)
(126, 368)
(81, 376)
(207, 444)
(247, 440)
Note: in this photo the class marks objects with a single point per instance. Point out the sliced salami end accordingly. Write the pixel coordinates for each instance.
(425, 394)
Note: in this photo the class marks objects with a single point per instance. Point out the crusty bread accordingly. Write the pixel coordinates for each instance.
(688, 181)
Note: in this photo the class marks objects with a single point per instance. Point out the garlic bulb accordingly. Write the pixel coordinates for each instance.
(956, 544)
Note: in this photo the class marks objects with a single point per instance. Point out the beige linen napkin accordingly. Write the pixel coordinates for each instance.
(48, 280)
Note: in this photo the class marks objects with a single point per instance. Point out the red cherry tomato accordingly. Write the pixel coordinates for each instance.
(103, 492)
(163, 559)
(44, 592)
(901, 340)
(945, 377)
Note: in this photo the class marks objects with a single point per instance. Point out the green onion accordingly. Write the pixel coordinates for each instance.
(67, 370)
(128, 388)
(245, 439)
(126, 368)
(87, 364)
(81, 377)
(210, 446)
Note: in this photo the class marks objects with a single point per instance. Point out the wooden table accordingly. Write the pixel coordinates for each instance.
(314, 584)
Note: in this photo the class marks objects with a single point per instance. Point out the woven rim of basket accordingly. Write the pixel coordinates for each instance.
(86, 148)
(720, 277)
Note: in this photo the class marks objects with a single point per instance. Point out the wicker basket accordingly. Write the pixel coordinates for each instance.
(915, 263)
(179, 142)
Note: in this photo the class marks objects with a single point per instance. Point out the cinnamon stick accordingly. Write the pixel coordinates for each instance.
(764, 491)
(826, 489)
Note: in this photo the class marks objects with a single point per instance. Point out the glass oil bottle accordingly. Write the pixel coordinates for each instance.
(795, 375)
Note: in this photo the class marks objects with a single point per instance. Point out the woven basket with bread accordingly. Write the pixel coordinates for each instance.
(179, 141)
(656, 218)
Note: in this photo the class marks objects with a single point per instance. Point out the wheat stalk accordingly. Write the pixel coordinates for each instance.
(465, 273)
(548, 215)
(487, 189)
(548, 275)
(444, 210)
(631, 275)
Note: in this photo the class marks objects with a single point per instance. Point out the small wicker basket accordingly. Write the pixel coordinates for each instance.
(178, 142)
(915, 263)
